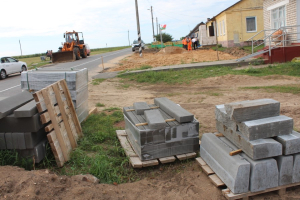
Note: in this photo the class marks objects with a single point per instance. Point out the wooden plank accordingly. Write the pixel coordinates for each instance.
(181, 157)
(216, 180)
(232, 153)
(207, 170)
(220, 135)
(282, 191)
(63, 86)
(167, 159)
(121, 132)
(126, 146)
(59, 158)
(93, 111)
(41, 105)
(136, 162)
(149, 163)
(59, 134)
(201, 161)
(49, 128)
(45, 117)
(190, 155)
(64, 116)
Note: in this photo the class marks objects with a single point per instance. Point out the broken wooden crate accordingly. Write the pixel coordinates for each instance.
(57, 111)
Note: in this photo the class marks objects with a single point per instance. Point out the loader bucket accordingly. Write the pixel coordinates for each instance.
(66, 56)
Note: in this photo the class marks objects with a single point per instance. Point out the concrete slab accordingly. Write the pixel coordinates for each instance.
(155, 119)
(140, 107)
(27, 110)
(266, 127)
(296, 168)
(26, 124)
(253, 109)
(255, 149)
(9, 141)
(234, 171)
(175, 111)
(33, 138)
(18, 140)
(263, 174)
(2, 141)
(290, 143)
(285, 167)
(222, 116)
(39, 152)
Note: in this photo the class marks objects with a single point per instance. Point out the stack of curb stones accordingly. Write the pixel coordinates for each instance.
(21, 128)
(271, 149)
(77, 82)
(157, 138)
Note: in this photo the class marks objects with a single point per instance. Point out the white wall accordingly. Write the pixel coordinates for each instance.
(298, 19)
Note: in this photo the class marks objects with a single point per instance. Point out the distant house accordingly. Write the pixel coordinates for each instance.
(235, 25)
(195, 31)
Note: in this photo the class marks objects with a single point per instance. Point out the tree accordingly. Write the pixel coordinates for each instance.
(165, 37)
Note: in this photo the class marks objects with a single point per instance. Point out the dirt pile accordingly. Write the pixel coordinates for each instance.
(172, 50)
(236, 51)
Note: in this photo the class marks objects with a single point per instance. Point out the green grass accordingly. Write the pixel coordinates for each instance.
(105, 50)
(100, 105)
(112, 109)
(220, 48)
(249, 48)
(190, 75)
(277, 88)
(97, 81)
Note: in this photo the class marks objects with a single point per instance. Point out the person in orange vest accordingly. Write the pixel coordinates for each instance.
(184, 43)
(190, 45)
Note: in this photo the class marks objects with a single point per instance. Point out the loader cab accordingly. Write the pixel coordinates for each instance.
(70, 37)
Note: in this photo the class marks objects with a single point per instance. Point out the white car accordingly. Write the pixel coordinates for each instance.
(10, 65)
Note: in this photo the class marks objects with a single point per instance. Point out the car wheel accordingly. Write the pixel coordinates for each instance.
(88, 54)
(23, 68)
(2, 74)
(77, 53)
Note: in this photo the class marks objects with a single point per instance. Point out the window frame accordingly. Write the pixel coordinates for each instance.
(224, 29)
(255, 24)
(271, 16)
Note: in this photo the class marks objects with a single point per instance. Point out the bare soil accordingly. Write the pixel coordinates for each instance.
(170, 181)
(236, 51)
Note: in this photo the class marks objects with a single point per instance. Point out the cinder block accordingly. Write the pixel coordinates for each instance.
(255, 149)
(263, 174)
(2, 141)
(33, 138)
(234, 171)
(285, 167)
(27, 110)
(155, 119)
(267, 127)
(296, 168)
(252, 110)
(39, 152)
(290, 143)
(140, 107)
(174, 110)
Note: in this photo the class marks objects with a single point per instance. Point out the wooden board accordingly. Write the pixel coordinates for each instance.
(134, 158)
(57, 111)
(216, 180)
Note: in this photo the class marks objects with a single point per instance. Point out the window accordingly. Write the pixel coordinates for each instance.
(278, 17)
(223, 27)
(251, 24)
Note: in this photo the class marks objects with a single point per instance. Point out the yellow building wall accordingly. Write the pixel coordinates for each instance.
(219, 19)
(235, 20)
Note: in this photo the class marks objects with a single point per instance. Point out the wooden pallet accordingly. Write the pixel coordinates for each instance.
(135, 160)
(231, 196)
(57, 112)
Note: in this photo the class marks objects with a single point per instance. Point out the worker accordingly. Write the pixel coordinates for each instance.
(194, 41)
(184, 43)
(189, 44)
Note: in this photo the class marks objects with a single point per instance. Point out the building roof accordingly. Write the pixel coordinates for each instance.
(196, 28)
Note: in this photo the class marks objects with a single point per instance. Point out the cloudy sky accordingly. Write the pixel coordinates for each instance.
(40, 25)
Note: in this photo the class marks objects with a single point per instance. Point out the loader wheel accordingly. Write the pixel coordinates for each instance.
(84, 53)
(77, 53)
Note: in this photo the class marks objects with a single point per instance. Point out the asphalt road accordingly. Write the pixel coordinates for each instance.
(11, 84)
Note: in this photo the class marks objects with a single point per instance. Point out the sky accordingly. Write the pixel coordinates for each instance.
(39, 25)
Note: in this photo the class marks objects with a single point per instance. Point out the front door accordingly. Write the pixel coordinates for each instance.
(14, 65)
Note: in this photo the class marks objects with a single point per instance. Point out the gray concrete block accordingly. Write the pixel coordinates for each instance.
(9, 141)
(174, 110)
(27, 110)
(39, 152)
(285, 168)
(9, 104)
(140, 107)
(255, 149)
(263, 174)
(222, 116)
(234, 171)
(290, 143)
(2, 141)
(33, 138)
(155, 119)
(18, 140)
(296, 168)
(26, 124)
(267, 127)
(252, 110)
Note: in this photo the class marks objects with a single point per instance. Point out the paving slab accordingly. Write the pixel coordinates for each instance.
(9, 104)
(234, 171)
(266, 127)
(155, 119)
(255, 149)
(2, 141)
(27, 110)
(174, 110)
(290, 143)
(285, 168)
(252, 109)
(140, 107)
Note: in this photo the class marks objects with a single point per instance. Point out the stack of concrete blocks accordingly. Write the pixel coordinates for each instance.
(77, 82)
(269, 145)
(159, 139)
(21, 128)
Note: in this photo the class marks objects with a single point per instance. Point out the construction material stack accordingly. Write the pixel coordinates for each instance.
(270, 148)
(160, 130)
(77, 82)
(21, 128)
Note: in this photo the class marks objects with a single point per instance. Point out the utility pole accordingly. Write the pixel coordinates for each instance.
(162, 45)
(138, 28)
(152, 24)
(20, 47)
(128, 38)
(156, 26)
